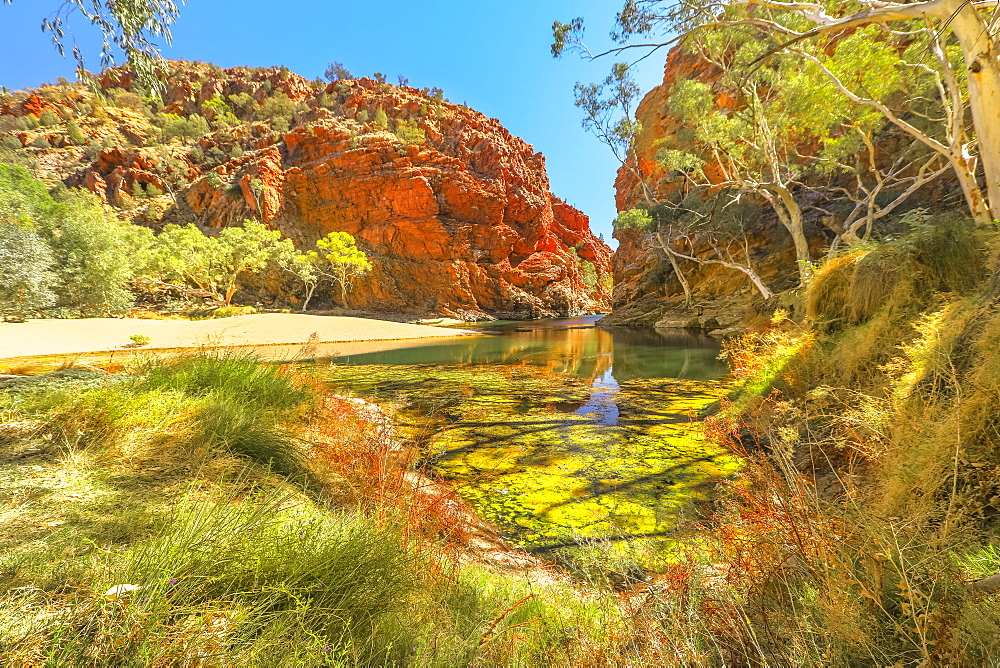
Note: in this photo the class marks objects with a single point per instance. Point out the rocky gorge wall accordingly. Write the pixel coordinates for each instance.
(454, 212)
(647, 293)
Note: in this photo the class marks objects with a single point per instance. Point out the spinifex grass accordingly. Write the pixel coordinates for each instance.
(223, 581)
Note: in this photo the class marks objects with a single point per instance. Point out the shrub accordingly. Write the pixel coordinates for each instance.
(27, 281)
(239, 378)
(48, 119)
(128, 100)
(41, 142)
(409, 132)
(12, 143)
(193, 127)
(75, 134)
(336, 71)
(277, 105)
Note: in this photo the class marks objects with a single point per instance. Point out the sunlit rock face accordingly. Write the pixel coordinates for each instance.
(454, 211)
(646, 290)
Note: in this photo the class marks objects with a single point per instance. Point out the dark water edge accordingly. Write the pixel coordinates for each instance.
(559, 433)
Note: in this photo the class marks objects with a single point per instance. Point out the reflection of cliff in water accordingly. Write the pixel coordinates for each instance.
(650, 353)
(571, 346)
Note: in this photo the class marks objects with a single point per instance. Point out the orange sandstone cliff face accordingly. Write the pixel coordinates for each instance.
(646, 291)
(454, 212)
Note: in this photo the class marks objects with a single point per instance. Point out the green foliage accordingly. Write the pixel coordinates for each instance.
(275, 106)
(41, 142)
(633, 219)
(589, 273)
(239, 378)
(244, 399)
(212, 266)
(336, 71)
(48, 119)
(97, 256)
(335, 257)
(75, 134)
(362, 116)
(381, 120)
(409, 132)
(244, 105)
(92, 254)
(26, 279)
(213, 179)
(193, 127)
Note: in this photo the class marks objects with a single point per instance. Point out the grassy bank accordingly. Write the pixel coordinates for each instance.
(220, 511)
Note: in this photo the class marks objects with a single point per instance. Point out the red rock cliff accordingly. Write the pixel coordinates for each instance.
(454, 212)
(646, 290)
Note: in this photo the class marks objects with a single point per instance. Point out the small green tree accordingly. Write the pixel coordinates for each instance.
(96, 255)
(75, 134)
(211, 267)
(336, 71)
(381, 119)
(336, 257)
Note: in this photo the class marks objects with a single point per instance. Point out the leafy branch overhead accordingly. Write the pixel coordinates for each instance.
(778, 102)
(129, 27)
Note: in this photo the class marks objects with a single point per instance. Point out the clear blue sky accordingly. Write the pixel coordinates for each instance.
(493, 56)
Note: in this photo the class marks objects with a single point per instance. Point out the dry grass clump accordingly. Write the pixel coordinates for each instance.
(943, 255)
(854, 535)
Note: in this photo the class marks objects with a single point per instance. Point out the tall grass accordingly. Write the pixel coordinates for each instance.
(229, 584)
(865, 507)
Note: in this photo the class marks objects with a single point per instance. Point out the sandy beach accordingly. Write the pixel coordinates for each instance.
(101, 335)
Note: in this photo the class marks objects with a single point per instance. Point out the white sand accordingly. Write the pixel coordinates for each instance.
(91, 335)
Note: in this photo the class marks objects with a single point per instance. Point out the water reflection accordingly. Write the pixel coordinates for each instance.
(572, 345)
(558, 429)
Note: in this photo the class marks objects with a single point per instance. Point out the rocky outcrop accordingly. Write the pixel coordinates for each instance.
(456, 216)
(454, 212)
(647, 292)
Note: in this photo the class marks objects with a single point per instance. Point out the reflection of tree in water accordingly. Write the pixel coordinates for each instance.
(650, 353)
(503, 420)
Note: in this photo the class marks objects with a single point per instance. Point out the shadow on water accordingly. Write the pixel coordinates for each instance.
(557, 430)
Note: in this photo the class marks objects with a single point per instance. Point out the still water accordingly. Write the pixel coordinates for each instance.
(558, 432)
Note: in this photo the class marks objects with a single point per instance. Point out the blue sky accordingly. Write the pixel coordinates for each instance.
(493, 56)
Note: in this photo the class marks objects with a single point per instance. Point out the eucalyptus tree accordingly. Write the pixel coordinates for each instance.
(184, 258)
(951, 42)
(129, 26)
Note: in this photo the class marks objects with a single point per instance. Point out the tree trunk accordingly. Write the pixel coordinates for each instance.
(343, 293)
(790, 214)
(983, 69)
(310, 288)
(677, 271)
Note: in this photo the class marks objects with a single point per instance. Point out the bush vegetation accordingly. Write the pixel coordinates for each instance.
(246, 568)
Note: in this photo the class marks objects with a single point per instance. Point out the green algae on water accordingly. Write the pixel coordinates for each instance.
(515, 444)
